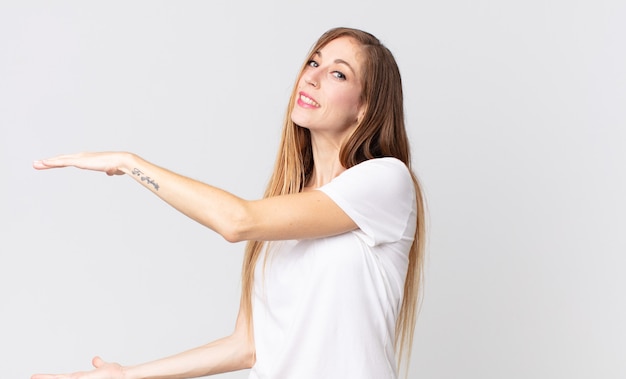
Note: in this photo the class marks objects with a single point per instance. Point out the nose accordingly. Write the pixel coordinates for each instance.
(311, 79)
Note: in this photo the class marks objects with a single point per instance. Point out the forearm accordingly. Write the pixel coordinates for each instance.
(212, 207)
(224, 355)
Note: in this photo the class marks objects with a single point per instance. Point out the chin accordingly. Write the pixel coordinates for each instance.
(300, 122)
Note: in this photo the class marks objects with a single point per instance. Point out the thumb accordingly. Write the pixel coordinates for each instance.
(97, 362)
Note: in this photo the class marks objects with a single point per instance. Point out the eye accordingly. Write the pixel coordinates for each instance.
(339, 75)
(312, 63)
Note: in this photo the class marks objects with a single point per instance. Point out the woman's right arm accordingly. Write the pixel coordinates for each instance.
(309, 214)
(232, 353)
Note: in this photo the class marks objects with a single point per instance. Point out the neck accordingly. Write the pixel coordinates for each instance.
(326, 164)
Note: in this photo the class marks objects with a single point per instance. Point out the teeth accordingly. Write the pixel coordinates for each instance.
(309, 101)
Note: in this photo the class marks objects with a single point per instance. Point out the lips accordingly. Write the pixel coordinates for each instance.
(306, 101)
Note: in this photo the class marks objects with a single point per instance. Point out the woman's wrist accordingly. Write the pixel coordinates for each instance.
(129, 162)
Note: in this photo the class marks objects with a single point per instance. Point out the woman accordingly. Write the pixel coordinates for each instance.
(333, 264)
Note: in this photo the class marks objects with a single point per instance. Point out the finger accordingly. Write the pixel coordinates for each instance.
(59, 161)
(97, 362)
(39, 165)
(114, 171)
(45, 164)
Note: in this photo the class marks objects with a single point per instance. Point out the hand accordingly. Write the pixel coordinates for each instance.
(103, 370)
(111, 163)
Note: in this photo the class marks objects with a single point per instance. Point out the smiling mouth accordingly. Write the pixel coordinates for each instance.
(307, 100)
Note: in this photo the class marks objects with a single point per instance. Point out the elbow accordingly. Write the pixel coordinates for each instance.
(238, 227)
(232, 236)
(249, 357)
(245, 348)
(246, 357)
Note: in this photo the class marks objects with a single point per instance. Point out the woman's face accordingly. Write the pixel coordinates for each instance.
(328, 95)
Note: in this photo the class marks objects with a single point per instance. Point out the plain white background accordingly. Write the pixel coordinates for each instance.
(516, 111)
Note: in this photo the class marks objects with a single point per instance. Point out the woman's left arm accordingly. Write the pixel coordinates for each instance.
(303, 215)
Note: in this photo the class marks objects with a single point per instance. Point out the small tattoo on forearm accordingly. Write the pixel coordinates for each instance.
(144, 178)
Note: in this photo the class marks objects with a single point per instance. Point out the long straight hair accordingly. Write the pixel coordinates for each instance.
(380, 133)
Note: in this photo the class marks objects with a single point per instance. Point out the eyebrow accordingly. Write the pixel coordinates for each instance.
(338, 61)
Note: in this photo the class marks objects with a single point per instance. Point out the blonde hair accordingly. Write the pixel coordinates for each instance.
(380, 133)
